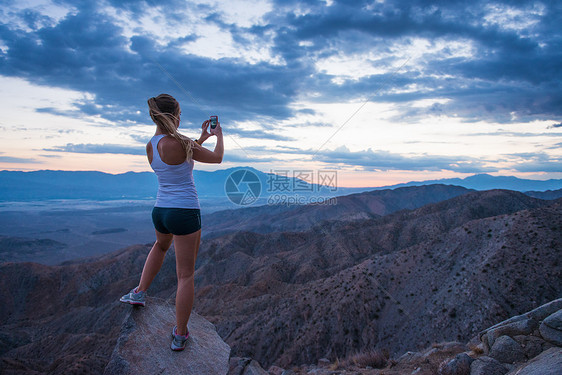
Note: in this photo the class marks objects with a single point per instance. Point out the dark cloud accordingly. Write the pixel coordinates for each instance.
(260, 134)
(15, 160)
(34, 20)
(86, 51)
(345, 22)
(50, 156)
(557, 146)
(245, 154)
(503, 133)
(98, 149)
(182, 41)
(539, 162)
(384, 161)
(539, 166)
(144, 139)
(309, 125)
(511, 75)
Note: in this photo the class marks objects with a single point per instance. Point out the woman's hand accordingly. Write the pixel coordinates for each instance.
(217, 130)
(204, 155)
(204, 133)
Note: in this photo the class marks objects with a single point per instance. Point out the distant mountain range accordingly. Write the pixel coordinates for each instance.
(47, 184)
(488, 182)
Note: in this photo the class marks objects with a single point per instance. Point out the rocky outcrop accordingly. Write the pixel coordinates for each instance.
(525, 324)
(530, 343)
(143, 346)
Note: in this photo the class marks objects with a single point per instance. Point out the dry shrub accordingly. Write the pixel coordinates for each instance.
(337, 365)
(373, 358)
(476, 349)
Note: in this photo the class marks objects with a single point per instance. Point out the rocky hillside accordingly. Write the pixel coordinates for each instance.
(64, 319)
(398, 282)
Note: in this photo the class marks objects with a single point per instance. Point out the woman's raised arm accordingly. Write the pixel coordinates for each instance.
(203, 155)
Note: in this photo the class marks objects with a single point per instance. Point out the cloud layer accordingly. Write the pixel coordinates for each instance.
(475, 61)
(493, 60)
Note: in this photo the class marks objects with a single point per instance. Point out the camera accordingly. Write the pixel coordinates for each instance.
(214, 121)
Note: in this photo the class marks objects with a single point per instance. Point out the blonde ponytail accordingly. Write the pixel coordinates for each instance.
(164, 111)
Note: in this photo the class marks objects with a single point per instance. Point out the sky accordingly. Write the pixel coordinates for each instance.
(380, 91)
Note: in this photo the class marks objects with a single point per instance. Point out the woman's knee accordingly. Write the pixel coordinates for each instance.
(162, 245)
(185, 275)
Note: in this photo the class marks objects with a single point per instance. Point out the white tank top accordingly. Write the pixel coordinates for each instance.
(176, 188)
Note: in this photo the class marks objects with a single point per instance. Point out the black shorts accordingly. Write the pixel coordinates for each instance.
(178, 221)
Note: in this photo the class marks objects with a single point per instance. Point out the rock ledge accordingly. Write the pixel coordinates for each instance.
(143, 346)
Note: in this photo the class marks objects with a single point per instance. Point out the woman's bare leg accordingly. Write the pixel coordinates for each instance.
(186, 254)
(155, 259)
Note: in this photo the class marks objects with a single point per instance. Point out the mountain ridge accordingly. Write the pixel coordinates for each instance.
(52, 184)
(351, 207)
(485, 181)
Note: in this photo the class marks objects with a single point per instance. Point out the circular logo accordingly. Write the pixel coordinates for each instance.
(242, 187)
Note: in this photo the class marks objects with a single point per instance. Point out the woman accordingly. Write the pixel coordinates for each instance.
(176, 214)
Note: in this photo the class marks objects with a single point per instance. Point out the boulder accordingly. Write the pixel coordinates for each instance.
(143, 346)
(507, 350)
(245, 366)
(545, 310)
(532, 345)
(487, 366)
(554, 320)
(253, 368)
(551, 328)
(460, 365)
(237, 365)
(513, 319)
(275, 370)
(551, 335)
(520, 327)
(409, 357)
(548, 362)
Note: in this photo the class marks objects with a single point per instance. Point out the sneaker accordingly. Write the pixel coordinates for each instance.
(134, 297)
(178, 341)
